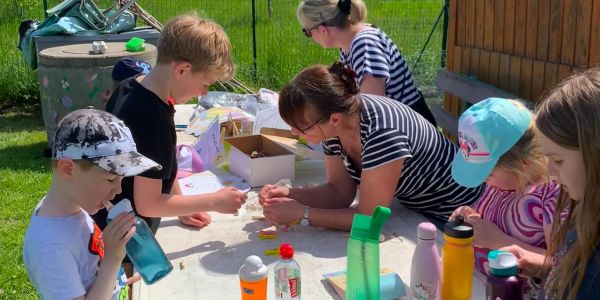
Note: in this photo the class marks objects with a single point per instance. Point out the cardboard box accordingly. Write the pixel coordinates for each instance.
(277, 164)
(289, 141)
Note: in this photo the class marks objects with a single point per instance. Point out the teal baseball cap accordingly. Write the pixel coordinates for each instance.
(486, 131)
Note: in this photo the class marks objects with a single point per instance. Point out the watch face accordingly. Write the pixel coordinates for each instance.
(304, 222)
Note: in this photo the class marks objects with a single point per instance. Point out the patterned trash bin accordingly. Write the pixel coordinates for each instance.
(70, 78)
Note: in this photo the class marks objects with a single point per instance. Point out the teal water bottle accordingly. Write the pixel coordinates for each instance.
(362, 265)
(144, 251)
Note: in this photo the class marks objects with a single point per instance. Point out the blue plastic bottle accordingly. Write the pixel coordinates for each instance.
(144, 251)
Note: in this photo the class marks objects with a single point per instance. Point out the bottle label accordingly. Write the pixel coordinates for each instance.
(424, 291)
(293, 283)
(287, 284)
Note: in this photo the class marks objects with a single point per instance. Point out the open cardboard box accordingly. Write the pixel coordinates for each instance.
(289, 141)
(277, 164)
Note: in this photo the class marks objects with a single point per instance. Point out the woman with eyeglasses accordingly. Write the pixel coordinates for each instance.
(378, 64)
(370, 141)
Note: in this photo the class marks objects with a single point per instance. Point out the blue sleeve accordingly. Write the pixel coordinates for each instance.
(590, 287)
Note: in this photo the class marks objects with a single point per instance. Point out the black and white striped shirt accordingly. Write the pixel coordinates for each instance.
(390, 131)
(373, 53)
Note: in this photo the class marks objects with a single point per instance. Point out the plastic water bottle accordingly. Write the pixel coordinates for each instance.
(425, 270)
(253, 279)
(362, 262)
(503, 282)
(458, 260)
(144, 251)
(287, 275)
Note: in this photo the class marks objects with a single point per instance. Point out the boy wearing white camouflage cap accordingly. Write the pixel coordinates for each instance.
(65, 253)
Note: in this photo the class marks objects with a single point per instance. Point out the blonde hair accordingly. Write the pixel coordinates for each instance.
(201, 42)
(569, 117)
(525, 158)
(314, 12)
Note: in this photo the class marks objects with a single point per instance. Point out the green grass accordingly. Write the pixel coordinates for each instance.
(24, 178)
(282, 50)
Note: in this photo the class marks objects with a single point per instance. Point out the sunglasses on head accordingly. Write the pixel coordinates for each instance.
(308, 31)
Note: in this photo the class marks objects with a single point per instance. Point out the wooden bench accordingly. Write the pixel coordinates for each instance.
(468, 89)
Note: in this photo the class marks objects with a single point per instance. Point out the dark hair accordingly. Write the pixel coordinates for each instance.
(325, 90)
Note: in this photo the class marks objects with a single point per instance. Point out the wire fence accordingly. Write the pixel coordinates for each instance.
(281, 48)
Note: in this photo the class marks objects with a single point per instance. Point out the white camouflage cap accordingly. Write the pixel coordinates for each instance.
(101, 138)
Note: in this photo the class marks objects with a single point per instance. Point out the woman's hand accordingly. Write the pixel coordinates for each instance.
(283, 210)
(272, 191)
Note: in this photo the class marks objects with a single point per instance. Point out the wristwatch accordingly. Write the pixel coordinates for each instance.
(304, 221)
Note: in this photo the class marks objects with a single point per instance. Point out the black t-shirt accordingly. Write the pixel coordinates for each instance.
(153, 128)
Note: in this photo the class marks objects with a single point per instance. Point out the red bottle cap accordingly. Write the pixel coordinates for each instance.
(286, 251)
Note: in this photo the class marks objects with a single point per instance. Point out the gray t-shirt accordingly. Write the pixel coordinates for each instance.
(62, 255)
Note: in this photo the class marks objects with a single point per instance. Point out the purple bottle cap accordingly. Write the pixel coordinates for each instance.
(426, 231)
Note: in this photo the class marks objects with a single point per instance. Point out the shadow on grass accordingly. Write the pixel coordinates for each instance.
(26, 152)
(21, 119)
(25, 157)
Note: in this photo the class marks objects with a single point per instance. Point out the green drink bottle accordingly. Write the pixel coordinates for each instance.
(362, 266)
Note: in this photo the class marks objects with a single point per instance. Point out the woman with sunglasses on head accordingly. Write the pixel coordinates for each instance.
(370, 141)
(366, 49)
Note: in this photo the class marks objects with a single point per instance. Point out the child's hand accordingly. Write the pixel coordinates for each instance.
(487, 234)
(198, 220)
(116, 234)
(530, 263)
(463, 211)
(272, 191)
(228, 200)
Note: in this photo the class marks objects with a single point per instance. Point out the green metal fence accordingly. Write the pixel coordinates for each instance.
(281, 48)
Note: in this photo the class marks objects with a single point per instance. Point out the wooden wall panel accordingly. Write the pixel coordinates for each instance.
(555, 37)
(595, 36)
(525, 78)
(489, 23)
(537, 80)
(531, 29)
(470, 21)
(543, 31)
(499, 25)
(514, 75)
(582, 35)
(504, 72)
(520, 27)
(494, 68)
(521, 46)
(569, 32)
(479, 23)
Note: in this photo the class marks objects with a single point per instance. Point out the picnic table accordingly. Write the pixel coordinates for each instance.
(206, 261)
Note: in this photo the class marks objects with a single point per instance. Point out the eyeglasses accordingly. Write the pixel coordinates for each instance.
(303, 130)
(308, 31)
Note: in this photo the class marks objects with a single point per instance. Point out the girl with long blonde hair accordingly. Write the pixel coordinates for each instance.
(569, 126)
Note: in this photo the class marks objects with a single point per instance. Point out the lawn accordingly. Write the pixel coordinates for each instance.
(24, 178)
(282, 52)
